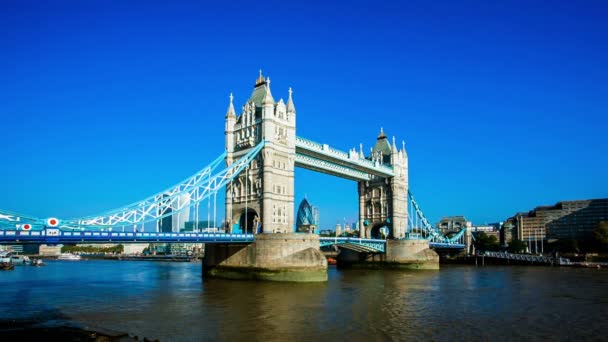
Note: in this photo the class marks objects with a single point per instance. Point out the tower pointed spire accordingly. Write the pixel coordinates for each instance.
(231, 112)
(268, 95)
(381, 135)
(394, 147)
(291, 108)
(260, 79)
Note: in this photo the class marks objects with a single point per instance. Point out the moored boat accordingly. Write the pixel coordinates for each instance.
(20, 259)
(69, 256)
(37, 262)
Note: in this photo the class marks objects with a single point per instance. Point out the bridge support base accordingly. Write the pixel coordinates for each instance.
(274, 257)
(400, 254)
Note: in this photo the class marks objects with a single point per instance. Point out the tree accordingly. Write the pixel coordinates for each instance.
(485, 242)
(601, 235)
(568, 246)
(517, 246)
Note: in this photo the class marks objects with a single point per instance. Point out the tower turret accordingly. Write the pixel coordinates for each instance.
(291, 108)
(230, 122)
(394, 153)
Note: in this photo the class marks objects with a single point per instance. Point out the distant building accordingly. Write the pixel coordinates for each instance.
(175, 248)
(174, 222)
(307, 218)
(192, 226)
(49, 250)
(179, 220)
(15, 248)
(338, 229)
(564, 220)
(451, 224)
(134, 248)
(490, 229)
(347, 228)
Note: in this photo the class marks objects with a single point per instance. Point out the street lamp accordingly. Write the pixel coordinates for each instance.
(535, 244)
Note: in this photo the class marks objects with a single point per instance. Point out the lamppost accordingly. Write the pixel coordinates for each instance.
(542, 237)
(508, 227)
(535, 243)
(538, 235)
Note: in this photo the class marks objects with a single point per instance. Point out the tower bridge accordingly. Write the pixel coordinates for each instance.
(262, 152)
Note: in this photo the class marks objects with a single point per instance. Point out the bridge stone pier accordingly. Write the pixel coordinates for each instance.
(276, 257)
(400, 254)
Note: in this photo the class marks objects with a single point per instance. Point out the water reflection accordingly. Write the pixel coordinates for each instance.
(170, 301)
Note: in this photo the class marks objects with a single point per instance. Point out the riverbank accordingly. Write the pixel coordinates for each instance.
(120, 257)
(482, 260)
(30, 330)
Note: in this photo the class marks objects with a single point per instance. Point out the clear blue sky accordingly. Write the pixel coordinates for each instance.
(503, 106)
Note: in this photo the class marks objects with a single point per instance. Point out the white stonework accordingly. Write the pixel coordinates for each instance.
(383, 201)
(262, 195)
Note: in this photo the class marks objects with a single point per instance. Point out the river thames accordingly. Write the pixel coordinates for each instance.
(171, 302)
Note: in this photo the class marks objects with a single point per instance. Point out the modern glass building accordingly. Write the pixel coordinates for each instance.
(176, 221)
(564, 220)
(307, 218)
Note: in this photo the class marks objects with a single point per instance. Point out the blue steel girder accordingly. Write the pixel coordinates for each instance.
(433, 235)
(370, 245)
(57, 236)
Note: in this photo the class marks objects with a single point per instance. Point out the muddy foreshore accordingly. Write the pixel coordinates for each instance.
(31, 330)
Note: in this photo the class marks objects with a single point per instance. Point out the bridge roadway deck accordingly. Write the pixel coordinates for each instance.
(63, 237)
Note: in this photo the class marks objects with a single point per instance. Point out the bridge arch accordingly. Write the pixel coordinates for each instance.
(379, 231)
(248, 221)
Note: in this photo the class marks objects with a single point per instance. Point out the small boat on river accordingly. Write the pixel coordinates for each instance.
(69, 256)
(20, 259)
(37, 262)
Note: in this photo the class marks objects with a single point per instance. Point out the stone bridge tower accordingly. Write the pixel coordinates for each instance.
(383, 201)
(261, 198)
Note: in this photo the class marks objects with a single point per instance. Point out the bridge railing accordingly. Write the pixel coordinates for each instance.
(372, 245)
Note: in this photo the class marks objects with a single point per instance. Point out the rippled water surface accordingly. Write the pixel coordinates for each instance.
(171, 302)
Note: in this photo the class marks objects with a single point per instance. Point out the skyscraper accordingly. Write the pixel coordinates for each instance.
(167, 205)
(306, 219)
